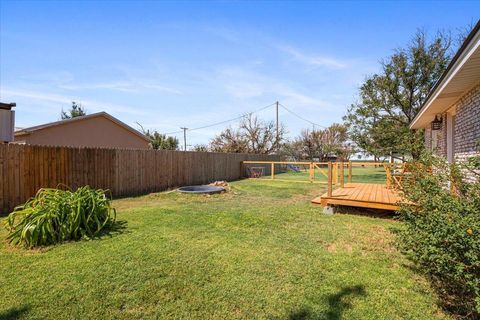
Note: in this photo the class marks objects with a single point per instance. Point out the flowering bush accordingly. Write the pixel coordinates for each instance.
(442, 230)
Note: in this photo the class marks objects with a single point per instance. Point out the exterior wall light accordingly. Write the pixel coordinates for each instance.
(437, 123)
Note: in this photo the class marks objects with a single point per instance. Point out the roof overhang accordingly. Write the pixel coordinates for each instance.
(7, 106)
(462, 74)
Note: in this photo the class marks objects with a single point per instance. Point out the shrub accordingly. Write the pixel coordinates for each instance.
(442, 233)
(55, 215)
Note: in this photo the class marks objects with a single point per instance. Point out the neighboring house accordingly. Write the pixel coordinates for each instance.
(451, 113)
(7, 122)
(93, 130)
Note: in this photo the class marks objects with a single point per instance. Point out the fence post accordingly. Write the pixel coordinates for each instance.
(330, 176)
(350, 171)
(342, 174)
(273, 170)
(337, 172)
(242, 170)
(334, 173)
(312, 172)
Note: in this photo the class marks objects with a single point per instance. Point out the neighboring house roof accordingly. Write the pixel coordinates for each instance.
(461, 75)
(7, 106)
(26, 131)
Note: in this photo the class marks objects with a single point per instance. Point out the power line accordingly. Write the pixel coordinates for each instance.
(173, 132)
(302, 118)
(246, 115)
(219, 123)
(233, 119)
(224, 121)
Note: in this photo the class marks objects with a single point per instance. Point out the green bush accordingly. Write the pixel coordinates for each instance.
(442, 233)
(55, 215)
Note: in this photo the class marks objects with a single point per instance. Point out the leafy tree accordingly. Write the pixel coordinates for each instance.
(252, 136)
(321, 144)
(200, 148)
(75, 111)
(389, 100)
(260, 136)
(229, 140)
(159, 141)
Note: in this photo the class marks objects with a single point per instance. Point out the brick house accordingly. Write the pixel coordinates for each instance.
(451, 113)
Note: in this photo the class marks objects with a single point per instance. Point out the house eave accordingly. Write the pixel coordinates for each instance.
(460, 77)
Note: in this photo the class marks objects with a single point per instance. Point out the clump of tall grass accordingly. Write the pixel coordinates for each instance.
(55, 216)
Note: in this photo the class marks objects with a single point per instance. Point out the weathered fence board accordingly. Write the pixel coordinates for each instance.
(26, 168)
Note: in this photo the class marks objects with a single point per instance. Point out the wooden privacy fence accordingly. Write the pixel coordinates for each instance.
(26, 168)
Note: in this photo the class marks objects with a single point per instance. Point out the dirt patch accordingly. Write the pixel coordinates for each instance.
(332, 247)
(376, 239)
(9, 248)
(223, 184)
(296, 198)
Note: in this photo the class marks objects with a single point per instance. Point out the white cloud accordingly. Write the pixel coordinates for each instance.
(58, 101)
(313, 60)
(54, 77)
(243, 83)
(244, 89)
(125, 86)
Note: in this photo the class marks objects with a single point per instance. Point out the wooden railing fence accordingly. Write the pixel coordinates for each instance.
(26, 168)
(333, 171)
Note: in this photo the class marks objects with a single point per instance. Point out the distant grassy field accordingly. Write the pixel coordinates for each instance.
(367, 174)
(261, 251)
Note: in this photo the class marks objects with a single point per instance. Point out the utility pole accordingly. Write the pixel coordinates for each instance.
(277, 142)
(184, 138)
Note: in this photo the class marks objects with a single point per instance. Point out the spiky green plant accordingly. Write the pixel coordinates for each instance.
(55, 215)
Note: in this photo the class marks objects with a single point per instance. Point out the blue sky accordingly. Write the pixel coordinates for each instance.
(172, 64)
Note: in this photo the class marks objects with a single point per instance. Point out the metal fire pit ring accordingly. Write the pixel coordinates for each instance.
(201, 189)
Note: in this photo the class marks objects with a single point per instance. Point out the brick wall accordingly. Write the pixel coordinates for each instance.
(442, 137)
(467, 125)
(436, 140)
(428, 138)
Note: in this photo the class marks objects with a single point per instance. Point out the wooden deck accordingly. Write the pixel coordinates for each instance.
(364, 195)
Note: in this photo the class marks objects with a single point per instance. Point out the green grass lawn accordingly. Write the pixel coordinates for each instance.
(260, 251)
(367, 174)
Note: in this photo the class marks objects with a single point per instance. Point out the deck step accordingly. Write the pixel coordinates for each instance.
(363, 195)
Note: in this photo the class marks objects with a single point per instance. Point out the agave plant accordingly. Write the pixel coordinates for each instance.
(55, 215)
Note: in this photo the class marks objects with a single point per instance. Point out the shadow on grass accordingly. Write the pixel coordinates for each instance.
(338, 303)
(370, 178)
(118, 227)
(457, 303)
(366, 212)
(14, 313)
